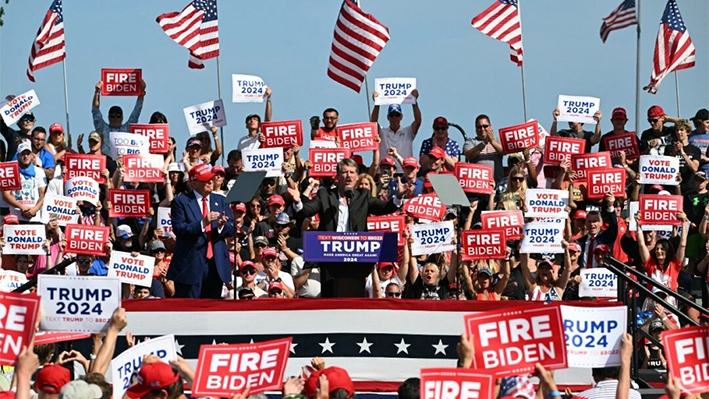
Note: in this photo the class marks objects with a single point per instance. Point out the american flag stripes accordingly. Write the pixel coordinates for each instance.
(501, 21)
(48, 46)
(357, 41)
(673, 48)
(196, 28)
(620, 18)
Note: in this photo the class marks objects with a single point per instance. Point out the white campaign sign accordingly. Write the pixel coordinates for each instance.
(61, 208)
(432, 238)
(248, 89)
(578, 109)
(633, 208)
(394, 91)
(127, 364)
(593, 335)
(11, 111)
(82, 189)
(78, 303)
(201, 117)
(658, 169)
(128, 144)
(542, 237)
(165, 221)
(131, 269)
(598, 283)
(268, 159)
(546, 203)
(23, 239)
(10, 280)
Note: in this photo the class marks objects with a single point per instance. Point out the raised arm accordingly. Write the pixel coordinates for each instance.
(564, 278)
(683, 239)
(597, 132)
(642, 248)
(268, 113)
(502, 284)
(417, 113)
(526, 274)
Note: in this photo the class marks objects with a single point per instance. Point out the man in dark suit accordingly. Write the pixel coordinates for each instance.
(596, 233)
(343, 209)
(201, 221)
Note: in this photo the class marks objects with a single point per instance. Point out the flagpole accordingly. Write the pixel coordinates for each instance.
(677, 93)
(219, 92)
(366, 89)
(637, 69)
(524, 88)
(66, 103)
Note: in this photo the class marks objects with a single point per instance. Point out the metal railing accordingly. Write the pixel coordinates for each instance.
(58, 268)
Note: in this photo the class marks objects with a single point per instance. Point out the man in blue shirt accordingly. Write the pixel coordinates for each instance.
(115, 116)
(700, 136)
(42, 158)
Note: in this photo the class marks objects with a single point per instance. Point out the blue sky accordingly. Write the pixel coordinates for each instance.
(461, 72)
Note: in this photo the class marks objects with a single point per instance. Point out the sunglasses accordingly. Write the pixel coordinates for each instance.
(394, 294)
(84, 261)
(27, 119)
(395, 114)
(275, 292)
(440, 128)
(518, 179)
(248, 271)
(269, 183)
(482, 126)
(115, 116)
(159, 251)
(247, 297)
(652, 120)
(255, 205)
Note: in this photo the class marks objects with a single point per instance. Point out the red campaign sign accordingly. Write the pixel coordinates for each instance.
(358, 136)
(604, 181)
(483, 244)
(226, 370)
(85, 165)
(146, 168)
(660, 209)
(10, 176)
(474, 178)
(121, 82)
(512, 341)
(18, 317)
(129, 203)
(157, 133)
(583, 163)
(559, 149)
(46, 337)
(687, 351)
(325, 161)
(456, 383)
(426, 206)
(282, 134)
(518, 137)
(510, 221)
(388, 224)
(628, 142)
(86, 239)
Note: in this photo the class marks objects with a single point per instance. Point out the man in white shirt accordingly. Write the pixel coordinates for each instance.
(254, 138)
(396, 136)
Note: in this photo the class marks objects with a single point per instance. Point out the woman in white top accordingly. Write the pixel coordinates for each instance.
(546, 286)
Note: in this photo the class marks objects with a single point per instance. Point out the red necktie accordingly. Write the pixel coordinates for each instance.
(208, 229)
(589, 256)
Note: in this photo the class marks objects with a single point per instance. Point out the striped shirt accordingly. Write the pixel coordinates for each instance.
(606, 390)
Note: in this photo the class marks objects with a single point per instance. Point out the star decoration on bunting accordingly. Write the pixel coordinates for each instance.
(440, 348)
(327, 345)
(292, 347)
(364, 346)
(178, 347)
(402, 347)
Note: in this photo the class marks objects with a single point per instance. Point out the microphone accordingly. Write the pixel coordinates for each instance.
(349, 192)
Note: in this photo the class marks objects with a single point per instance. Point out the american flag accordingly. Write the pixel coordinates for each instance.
(357, 41)
(501, 21)
(620, 18)
(48, 46)
(673, 48)
(194, 28)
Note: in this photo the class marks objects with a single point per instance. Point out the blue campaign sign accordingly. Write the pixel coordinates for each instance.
(324, 246)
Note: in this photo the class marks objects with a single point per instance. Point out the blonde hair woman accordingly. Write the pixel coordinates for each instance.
(366, 181)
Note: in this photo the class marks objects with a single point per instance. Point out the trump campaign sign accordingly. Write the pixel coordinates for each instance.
(11, 280)
(598, 283)
(247, 89)
(518, 137)
(60, 208)
(131, 269)
(593, 335)
(86, 239)
(46, 337)
(483, 244)
(543, 237)
(23, 239)
(605, 181)
(582, 163)
(394, 91)
(13, 110)
(125, 366)
(561, 149)
(10, 176)
(426, 206)
(660, 209)
(121, 82)
(129, 203)
(82, 189)
(144, 168)
(226, 370)
(432, 238)
(323, 246)
(388, 224)
(358, 137)
(128, 144)
(165, 220)
(658, 169)
(686, 350)
(158, 135)
(577, 109)
(512, 341)
(203, 116)
(84, 165)
(78, 303)
(475, 178)
(325, 161)
(456, 383)
(546, 203)
(282, 134)
(628, 142)
(266, 159)
(18, 317)
(510, 221)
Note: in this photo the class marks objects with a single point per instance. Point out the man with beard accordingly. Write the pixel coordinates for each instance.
(328, 131)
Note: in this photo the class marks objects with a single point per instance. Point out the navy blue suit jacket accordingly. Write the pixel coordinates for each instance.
(189, 261)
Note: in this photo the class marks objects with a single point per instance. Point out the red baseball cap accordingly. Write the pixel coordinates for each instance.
(619, 113)
(55, 127)
(150, 377)
(311, 384)
(358, 159)
(218, 169)
(580, 214)
(275, 285)
(387, 161)
(51, 378)
(247, 263)
(437, 152)
(268, 251)
(276, 199)
(655, 111)
(656, 187)
(10, 219)
(411, 161)
(440, 121)
(339, 379)
(240, 207)
(603, 248)
(202, 172)
(574, 247)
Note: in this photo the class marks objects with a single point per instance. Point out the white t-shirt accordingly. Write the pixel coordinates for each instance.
(311, 287)
(403, 141)
(382, 286)
(248, 143)
(28, 195)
